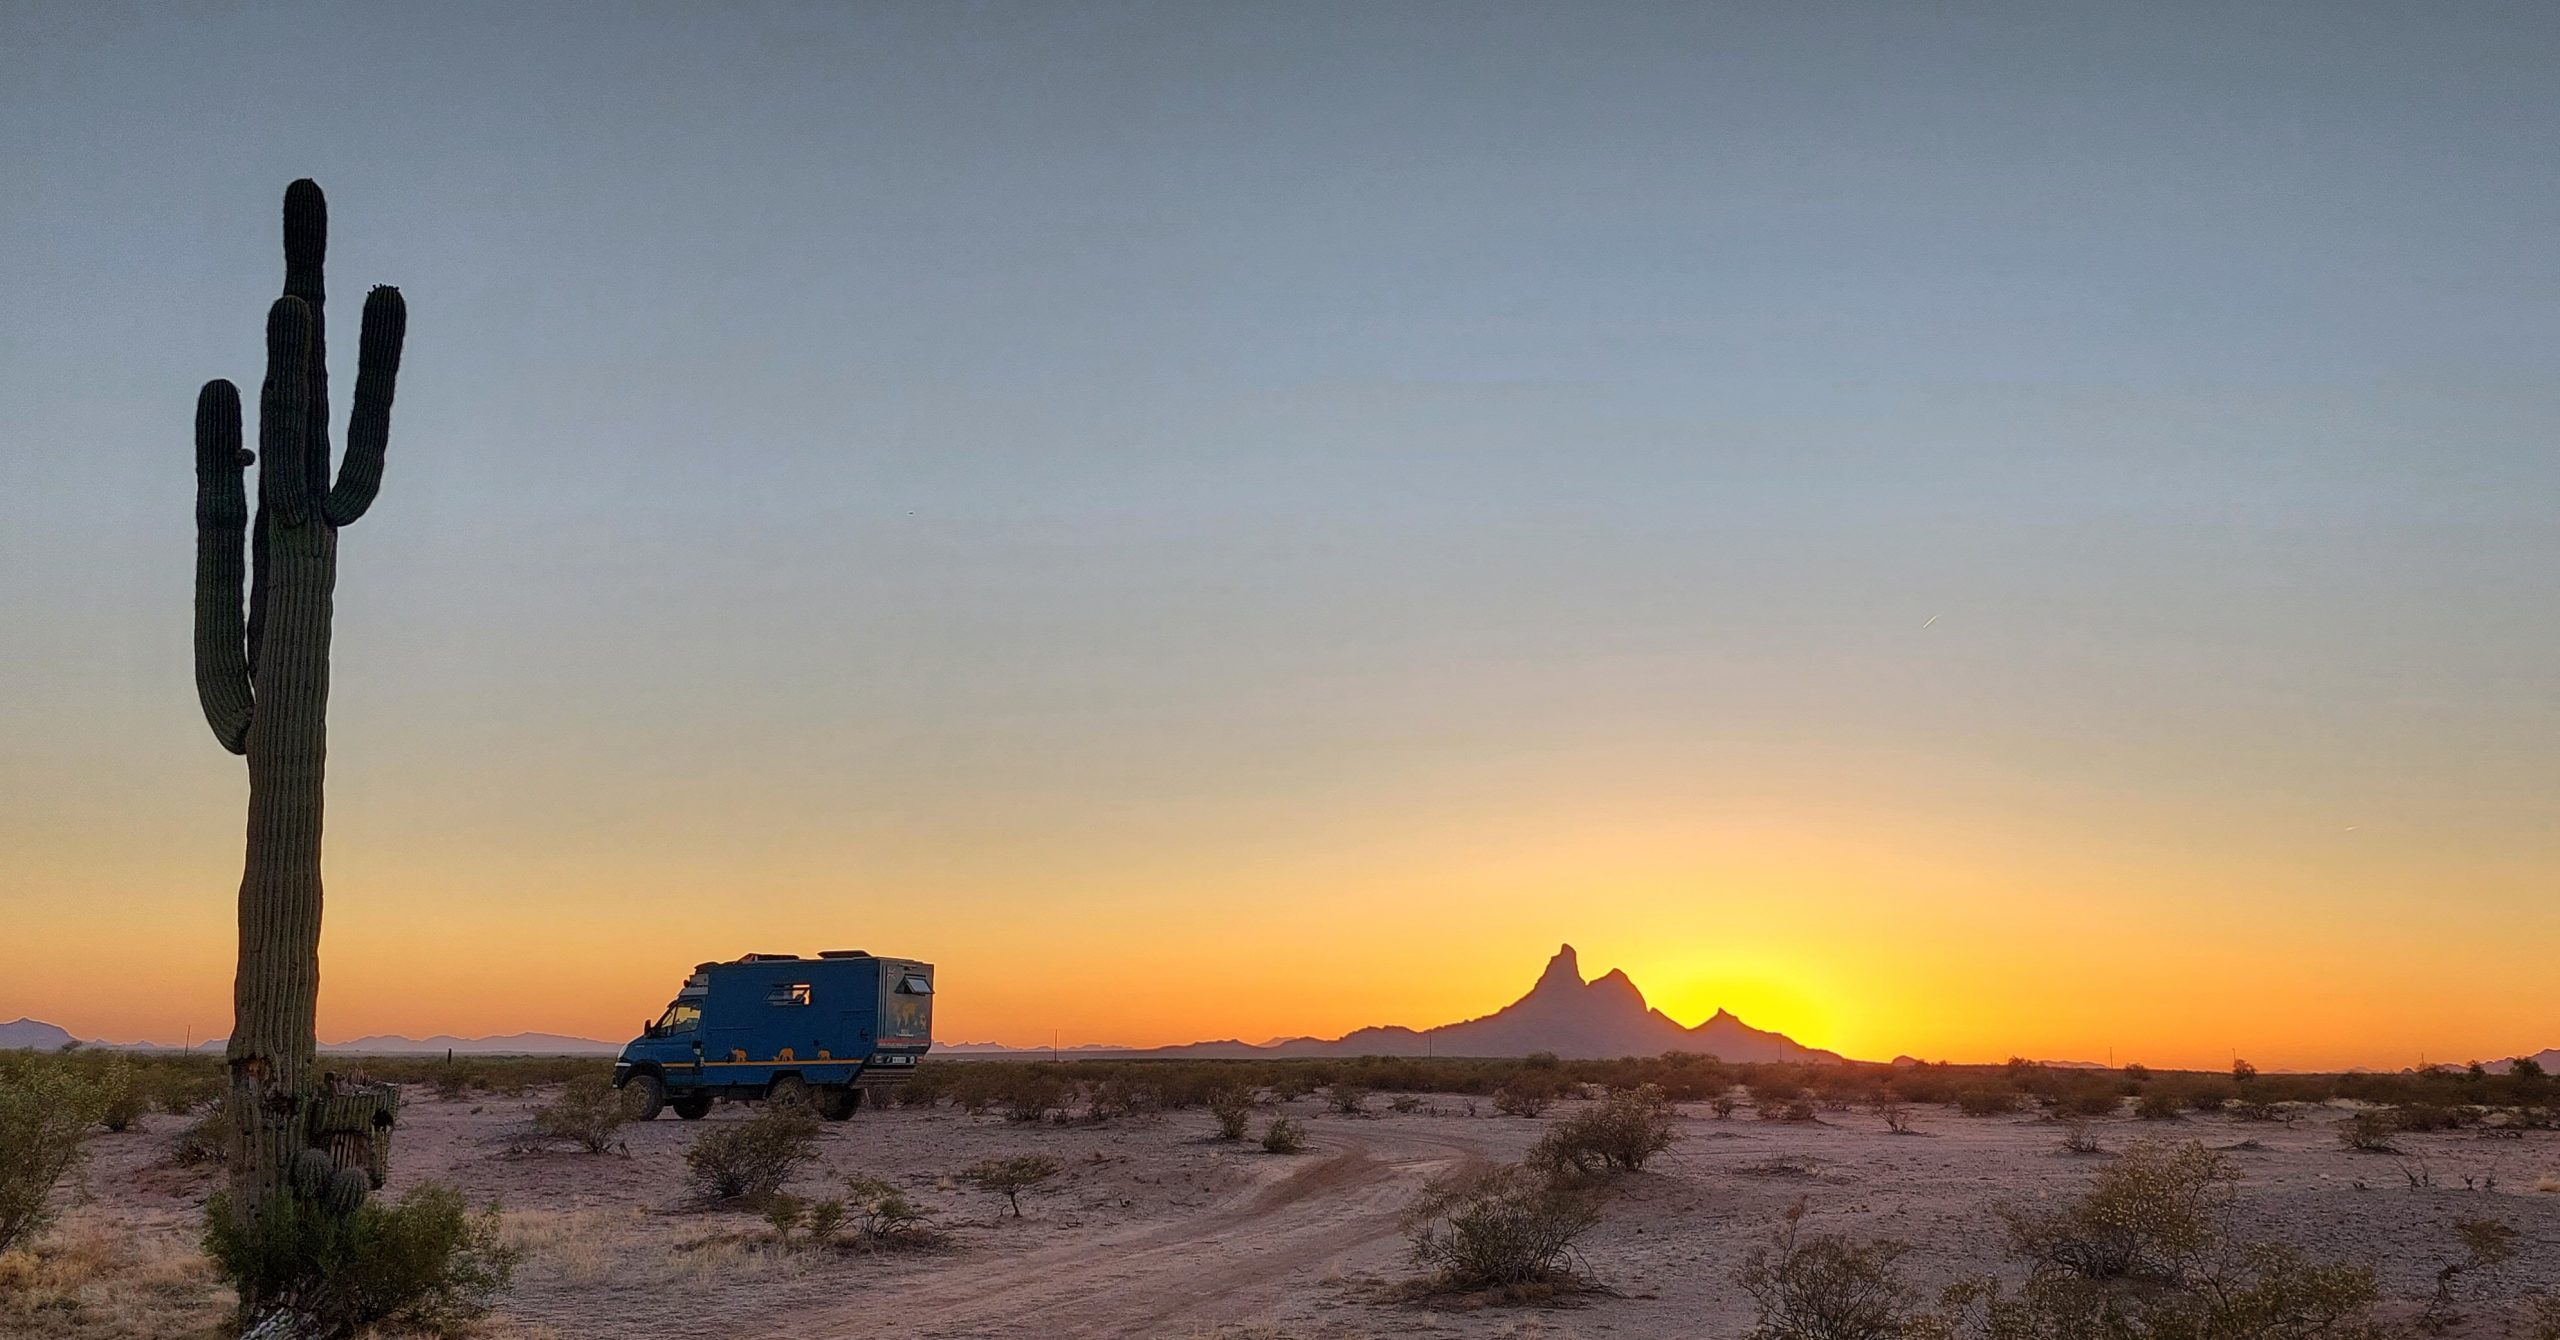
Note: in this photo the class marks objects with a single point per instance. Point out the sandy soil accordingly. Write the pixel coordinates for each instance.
(1155, 1230)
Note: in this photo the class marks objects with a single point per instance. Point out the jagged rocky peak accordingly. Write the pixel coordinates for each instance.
(1563, 971)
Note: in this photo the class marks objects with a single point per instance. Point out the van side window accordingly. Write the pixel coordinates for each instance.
(679, 1017)
(915, 984)
(788, 993)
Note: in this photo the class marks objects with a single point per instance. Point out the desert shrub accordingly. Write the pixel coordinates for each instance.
(589, 1111)
(1896, 1113)
(1797, 1109)
(1524, 1096)
(826, 1218)
(2136, 1071)
(1723, 1105)
(2158, 1105)
(2242, 1072)
(1825, 1286)
(1509, 1227)
(1283, 1136)
(2078, 1138)
(206, 1140)
(1620, 1131)
(1347, 1098)
(125, 1098)
(2150, 1215)
(179, 1091)
(2434, 1117)
(749, 1160)
(47, 1106)
(2256, 1110)
(1985, 1100)
(1032, 1095)
(925, 1088)
(2269, 1293)
(883, 1217)
(2085, 1101)
(1232, 1106)
(2370, 1131)
(785, 1212)
(1010, 1177)
(427, 1263)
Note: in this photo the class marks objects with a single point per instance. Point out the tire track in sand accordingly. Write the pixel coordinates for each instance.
(1228, 1261)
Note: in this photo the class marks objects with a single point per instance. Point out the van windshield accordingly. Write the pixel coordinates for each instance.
(680, 1016)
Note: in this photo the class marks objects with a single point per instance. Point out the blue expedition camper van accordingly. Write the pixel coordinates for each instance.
(782, 1027)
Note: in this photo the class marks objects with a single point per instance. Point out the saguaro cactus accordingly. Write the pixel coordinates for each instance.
(264, 683)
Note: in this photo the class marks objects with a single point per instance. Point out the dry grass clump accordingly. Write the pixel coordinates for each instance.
(574, 1247)
(93, 1281)
(1505, 1233)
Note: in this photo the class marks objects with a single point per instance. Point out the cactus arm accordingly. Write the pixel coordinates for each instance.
(284, 492)
(306, 248)
(386, 324)
(222, 518)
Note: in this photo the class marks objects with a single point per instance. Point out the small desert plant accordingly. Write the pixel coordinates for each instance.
(1011, 1177)
(1033, 1094)
(205, 1140)
(750, 1159)
(589, 1111)
(1723, 1105)
(1988, 1101)
(1524, 1096)
(2151, 1215)
(46, 1109)
(1825, 1287)
(2157, 1105)
(2370, 1131)
(826, 1216)
(2269, 1293)
(1232, 1105)
(1896, 1113)
(1405, 1102)
(1511, 1227)
(1283, 1136)
(1798, 1109)
(1347, 1098)
(126, 1098)
(785, 1212)
(883, 1216)
(427, 1263)
(1620, 1131)
(2078, 1138)
(2486, 1246)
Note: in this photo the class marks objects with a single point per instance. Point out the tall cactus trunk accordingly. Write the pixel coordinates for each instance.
(300, 1142)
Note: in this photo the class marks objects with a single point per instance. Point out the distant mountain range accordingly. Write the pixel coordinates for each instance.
(1564, 1014)
(37, 1034)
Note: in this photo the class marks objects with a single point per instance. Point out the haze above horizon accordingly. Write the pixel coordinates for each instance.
(2017, 532)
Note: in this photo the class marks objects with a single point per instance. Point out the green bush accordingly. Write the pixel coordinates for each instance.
(883, 1217)
(1988, 1101)
(427, 1263)
(47, 1105)
(1620, 1131)
(1348, 1099)
(589, 1111)
(2158, 1105)
(1527, 1095)
(751, 1159)
(1825, 1286)
(1510, 1227)
(2269, 1293)
(2370, 1131)
(1011, 1177)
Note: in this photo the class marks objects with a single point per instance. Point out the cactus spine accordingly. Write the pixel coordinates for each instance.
(263, 680)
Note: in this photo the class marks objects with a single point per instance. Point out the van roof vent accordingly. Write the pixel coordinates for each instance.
(767, 958)
(844, 953)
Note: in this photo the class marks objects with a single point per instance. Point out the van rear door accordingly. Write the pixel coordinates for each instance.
(906, 1005)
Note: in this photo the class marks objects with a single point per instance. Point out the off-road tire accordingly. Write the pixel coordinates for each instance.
(790, 1091)
(648, 1096)
(692, 1106)
(838, 1101)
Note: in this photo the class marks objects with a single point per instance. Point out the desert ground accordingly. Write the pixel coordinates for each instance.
(1156, 1229)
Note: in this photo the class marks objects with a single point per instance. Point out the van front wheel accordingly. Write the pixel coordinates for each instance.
(648, 1094)
(837, 1101)
(692, 1106)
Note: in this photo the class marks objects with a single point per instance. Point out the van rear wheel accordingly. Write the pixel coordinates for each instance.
(692, 1106)
(837, 1101)
(648, 1094)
